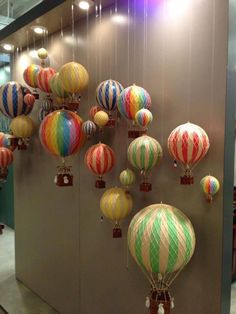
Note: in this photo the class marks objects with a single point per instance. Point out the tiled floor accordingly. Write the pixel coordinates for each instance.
(14, 296)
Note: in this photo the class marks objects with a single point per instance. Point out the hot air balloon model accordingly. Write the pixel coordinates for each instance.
(13, 141)
(4, 141)
(100, 159)
(43, 113)
(116, 204)
(210, 186)
(61, 96)
(107, 94)
(23, 128)
(127, 178)
(30, 77)
(89, 128)
(12, 100)
(101, 118)
(93, 110)
(43, 78)
(130, 101)
(161, 240)
(29, 99)
(74, 78)
(143, 118)
(188, 144)
(6, 158)
(144, 153)
(61, 135)
(42, 54)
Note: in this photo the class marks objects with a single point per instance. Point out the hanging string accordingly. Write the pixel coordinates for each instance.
(134, 43)
(189, 76)
(88, 54)
(62, 37)
(144, 40)
(73, 30)
(100, 43)
(116, 31)
(96, 41)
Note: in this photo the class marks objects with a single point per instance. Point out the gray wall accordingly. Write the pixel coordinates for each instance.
(63, 251)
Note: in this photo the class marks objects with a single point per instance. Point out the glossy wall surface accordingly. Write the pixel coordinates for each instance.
(63, 251)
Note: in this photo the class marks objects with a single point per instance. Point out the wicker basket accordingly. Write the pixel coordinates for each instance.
(160, 297)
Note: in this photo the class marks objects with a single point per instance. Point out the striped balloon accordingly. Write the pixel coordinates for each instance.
(100, 159)
(116, 204)
(93, 111)
(61, 133)
(127, 177)
(4, 141)
(43, 113)
(22, 126)
(210, 186)
(89, 128)
(74, 77)
(29, 99)
(43, 78)
(131, 100)
(101, 118)
(12, 99)
(6, 157)
(188, 144)
(144, 153)
(161, 239)
(143, 118)
(107, 94)
(56, 86)
(30, 75)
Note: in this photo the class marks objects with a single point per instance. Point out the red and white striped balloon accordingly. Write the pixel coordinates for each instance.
(188, 144)
(6, 157)
(43, 78)
(29, 99)
(100, 159)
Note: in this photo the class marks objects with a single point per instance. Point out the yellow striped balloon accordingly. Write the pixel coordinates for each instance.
(101, 118)
(22, 126)
(42, 53)
(116, 204)
(127, 177)
(74, 77)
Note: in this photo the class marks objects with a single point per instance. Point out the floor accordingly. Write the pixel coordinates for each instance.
(15, 298)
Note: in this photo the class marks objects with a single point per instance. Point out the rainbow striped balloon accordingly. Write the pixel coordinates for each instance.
(30, 75)
(93, 110)
(43, 78)
(107, 94)
(6, 157)
(56, 86)
(144, 153)
(210, 186)
(12, 100)
(4, 141)
(61, 133)
(131, 100)
(22, 126)
(116, 204)
(127, 177)
(143, 118)
(100, 159)
(29, 99)
(89, 128)
(161, 239)
(74, 77)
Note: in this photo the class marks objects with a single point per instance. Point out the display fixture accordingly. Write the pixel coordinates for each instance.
(210, 186)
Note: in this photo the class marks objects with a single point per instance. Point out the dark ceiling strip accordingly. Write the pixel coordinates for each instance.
(29, 16)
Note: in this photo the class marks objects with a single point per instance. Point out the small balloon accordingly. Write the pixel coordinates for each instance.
(101, 118)
(29, 99)
(143, 118)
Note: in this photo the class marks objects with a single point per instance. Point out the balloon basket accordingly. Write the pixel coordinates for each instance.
(22, 145)
(100, 184)
(73, 106)
(3, 174)
(64, 176)
(1, 228)
(158, 298)
(117, 232)
(111, 123)
(135, 133)
(186, 180)
(145, 187)
(209, 198)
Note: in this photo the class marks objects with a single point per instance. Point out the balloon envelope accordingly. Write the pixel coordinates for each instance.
(22, 126)
(107, 94)
(30, 75)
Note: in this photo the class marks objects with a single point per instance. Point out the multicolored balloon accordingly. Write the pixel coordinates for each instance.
(144, 153)
(74, 77)
(6, 159)
(43, 78)
(42, 54)
(22, 126)
(210, 186)
(12, 100)
(100, 159)
(161, 240)
(131, 100)
(116, 204)
(143, 118)
(188, 144)
(56, 86)
(4, 142)
(127, 177)
(107, 94)
(29, 99)
(89, 128)
(93, 111)
(101, 118)
(30, 75)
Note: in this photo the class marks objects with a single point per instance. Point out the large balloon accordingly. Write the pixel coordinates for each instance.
(43, 78)
(161, 239)
(56, 86)
(30, 75)
(188, 144)
(22, 126)
(12, 99)
(116, 204)
(131, 100)
(210, 186)
(74, 77)
(107, 94)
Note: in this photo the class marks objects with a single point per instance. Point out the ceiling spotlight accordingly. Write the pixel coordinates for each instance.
(39, 29)
(84, 5)
(8, 47)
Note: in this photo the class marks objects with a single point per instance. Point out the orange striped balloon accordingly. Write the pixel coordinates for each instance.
(6, 157)
(43, 78)
(29, 99)
(93, 110)
(30, 75)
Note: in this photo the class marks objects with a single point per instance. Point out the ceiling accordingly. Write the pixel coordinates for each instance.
(52, 20)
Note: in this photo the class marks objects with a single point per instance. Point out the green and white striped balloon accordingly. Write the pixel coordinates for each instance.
(161, 239)
(144, 152)
(127, 177)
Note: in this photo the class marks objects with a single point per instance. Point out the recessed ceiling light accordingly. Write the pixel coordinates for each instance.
(84, 5)
(8, 47)
(39, 29)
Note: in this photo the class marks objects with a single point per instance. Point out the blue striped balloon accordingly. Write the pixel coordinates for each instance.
(107, 94)
(12, 100)
(89, 127)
